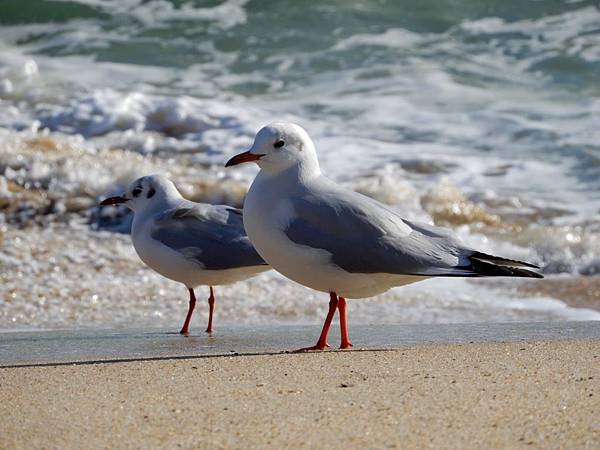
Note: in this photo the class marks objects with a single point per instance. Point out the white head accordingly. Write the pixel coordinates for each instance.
(144, 192)
(279, 147)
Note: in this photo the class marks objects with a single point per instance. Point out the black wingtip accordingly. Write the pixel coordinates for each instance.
(502, 261)
(489, 269)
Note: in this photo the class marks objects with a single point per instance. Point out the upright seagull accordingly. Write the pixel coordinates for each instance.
(338, 241)
(193, 243)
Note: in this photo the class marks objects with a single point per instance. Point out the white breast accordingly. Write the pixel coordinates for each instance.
(162, 259)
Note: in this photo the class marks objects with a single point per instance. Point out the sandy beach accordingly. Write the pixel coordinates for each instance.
(479, 395)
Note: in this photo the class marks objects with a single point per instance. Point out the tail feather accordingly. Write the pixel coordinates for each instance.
(499, 261)
(488, 269)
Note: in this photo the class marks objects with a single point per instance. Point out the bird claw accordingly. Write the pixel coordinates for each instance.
(346, 345)
(184, 333)
(314, 348)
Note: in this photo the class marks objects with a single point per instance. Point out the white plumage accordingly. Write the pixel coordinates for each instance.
(193, 243)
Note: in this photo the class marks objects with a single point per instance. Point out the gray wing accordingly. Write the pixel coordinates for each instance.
(363, 236)
(213, 236)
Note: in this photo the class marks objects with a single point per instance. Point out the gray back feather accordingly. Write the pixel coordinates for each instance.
(213, 236)
(364, 236)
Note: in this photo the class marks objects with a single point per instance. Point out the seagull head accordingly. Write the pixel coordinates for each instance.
(280, 146)
(144, 192)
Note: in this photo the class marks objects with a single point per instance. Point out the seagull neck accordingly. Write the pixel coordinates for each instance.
(297, 174)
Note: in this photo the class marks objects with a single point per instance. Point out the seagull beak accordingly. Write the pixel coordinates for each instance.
(114, 200)
(243, 158)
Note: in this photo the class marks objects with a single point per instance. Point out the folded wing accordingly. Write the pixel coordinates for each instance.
(212, 236)
(363, 236)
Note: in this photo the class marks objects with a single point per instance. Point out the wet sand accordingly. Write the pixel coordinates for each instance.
(471, 395)
(34, 348)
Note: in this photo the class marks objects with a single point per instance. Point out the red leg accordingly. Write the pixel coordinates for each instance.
(186, 325)
(322, 342)
(211, 307)
(343, 325)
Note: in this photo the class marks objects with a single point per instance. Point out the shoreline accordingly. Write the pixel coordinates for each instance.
(33, 348)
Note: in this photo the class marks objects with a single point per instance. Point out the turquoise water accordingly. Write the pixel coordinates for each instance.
(478, 115)
(512, 79)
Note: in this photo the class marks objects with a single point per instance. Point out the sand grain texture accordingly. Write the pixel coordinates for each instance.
(514, 395)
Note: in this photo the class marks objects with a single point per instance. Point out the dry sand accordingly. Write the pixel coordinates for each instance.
(505, 395)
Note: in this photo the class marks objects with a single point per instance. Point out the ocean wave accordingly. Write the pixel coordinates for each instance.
(226, 14)
(481, 118)
(107, 110)
(572, 33)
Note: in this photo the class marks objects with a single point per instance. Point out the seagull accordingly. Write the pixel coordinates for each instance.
(192, 243)
(341, 242)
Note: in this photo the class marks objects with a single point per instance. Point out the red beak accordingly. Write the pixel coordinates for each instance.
(113, 200)
(243, 158)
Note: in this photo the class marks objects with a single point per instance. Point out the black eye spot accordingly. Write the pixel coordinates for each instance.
(279, 143)
(137, 191)
(151, 192)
